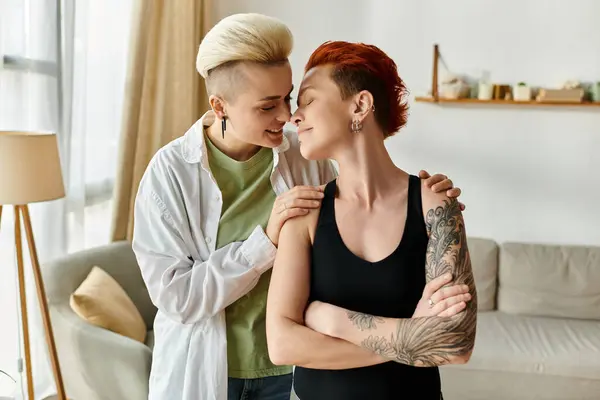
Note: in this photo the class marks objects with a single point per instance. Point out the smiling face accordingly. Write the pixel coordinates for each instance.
(256, 102)
(323, 118)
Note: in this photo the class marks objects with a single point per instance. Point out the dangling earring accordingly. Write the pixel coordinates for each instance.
(224, 126)
(356, 126)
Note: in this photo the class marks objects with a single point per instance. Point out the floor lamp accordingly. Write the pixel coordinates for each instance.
(29, 173)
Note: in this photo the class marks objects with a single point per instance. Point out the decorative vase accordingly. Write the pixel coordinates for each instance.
(595, 92)
(486, 91)
(521, 93)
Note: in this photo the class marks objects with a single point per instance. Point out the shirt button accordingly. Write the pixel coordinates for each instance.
(208, 240)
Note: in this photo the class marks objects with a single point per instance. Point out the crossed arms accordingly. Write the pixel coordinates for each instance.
(329, 337)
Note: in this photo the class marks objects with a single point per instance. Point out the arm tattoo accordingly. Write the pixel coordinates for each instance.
(364, 321)
(433, 341)
(417, 342)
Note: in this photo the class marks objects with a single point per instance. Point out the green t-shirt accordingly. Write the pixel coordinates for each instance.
(248, 198)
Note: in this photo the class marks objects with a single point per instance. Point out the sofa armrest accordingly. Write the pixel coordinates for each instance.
(101, 364)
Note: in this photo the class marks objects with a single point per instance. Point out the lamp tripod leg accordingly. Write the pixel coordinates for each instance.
(41, 292)
(23, 302)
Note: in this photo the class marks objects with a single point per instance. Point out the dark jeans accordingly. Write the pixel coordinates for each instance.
(269, 388)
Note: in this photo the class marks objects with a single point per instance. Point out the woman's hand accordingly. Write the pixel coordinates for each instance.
(293, 203)
(441, 300)
(440, 183)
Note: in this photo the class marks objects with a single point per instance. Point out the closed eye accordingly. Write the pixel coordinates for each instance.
(287, 100)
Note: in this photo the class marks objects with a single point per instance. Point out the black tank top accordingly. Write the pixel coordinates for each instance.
(391, 288)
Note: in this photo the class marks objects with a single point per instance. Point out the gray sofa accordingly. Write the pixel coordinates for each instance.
(538, 334)
(98, 364)
(538, 330)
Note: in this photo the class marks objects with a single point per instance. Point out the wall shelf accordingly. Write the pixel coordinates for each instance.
(442, 101)
(435, 98)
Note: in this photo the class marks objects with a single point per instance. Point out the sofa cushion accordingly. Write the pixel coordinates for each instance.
(537, 345)
(467, 384)
(484, 261)
(542, 280)
(101, 301)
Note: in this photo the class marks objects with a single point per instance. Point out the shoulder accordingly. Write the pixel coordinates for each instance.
(430, 198)
(302, 228)
(163, 165)
(169, 178)
(438, 206)
(179, 158)
(169, 154)
(183, 152)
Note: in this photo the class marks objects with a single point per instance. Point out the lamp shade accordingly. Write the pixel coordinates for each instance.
(29, 168)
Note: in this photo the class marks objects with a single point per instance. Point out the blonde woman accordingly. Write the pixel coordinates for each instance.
(208, 214)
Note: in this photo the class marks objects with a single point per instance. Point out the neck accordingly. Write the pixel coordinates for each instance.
(229, 145)
(366, 170)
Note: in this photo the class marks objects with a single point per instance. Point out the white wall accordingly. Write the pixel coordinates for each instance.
(311, 21)
(527, 174)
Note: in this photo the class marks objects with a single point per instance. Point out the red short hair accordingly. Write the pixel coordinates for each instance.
(357, 67)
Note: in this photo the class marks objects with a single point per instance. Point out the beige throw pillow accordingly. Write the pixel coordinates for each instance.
(101, 301)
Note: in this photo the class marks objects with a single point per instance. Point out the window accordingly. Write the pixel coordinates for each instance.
(79, 96)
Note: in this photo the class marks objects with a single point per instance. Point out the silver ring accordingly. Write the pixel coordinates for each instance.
(431, 304)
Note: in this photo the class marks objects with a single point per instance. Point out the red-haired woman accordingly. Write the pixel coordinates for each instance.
(349, 302)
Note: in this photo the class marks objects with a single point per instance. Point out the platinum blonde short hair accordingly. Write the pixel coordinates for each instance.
(244, 37)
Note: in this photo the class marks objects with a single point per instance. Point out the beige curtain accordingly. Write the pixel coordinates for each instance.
(164, 95)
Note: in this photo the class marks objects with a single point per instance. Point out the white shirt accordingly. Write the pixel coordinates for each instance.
(177, 211)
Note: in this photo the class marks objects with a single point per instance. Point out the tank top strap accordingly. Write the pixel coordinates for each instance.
(415, 219)
(327, 213)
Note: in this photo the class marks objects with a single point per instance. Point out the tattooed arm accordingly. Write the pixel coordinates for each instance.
(429, 341)
(289, 341)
